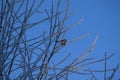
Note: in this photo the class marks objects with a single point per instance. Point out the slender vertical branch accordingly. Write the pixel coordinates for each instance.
(105, 64)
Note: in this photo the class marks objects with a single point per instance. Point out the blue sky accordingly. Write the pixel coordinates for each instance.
(101, 17)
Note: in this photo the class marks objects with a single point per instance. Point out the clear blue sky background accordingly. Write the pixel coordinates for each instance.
(101, 17)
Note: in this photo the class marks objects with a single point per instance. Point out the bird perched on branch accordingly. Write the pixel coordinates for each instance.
(62, 42)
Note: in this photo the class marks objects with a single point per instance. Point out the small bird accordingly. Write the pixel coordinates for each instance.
(62, 42)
